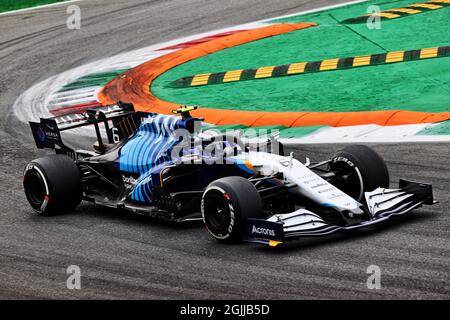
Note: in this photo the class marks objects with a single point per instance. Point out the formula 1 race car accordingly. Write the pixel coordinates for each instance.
(168, 166)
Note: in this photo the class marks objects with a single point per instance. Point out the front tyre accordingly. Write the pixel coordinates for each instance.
(359, 169)
(53, 185)
(226, 205)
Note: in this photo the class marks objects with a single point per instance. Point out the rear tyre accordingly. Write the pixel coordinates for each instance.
(53, 185)
(226, 205)
(360, 169)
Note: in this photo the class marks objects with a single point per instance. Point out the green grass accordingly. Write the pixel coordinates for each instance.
(11, 5)
(419, 86)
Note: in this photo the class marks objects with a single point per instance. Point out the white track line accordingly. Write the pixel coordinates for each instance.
(391, 140)
(301, 13)
(38, 7)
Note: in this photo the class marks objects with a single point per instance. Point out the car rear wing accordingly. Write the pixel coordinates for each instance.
(47, 132)
(76, 120)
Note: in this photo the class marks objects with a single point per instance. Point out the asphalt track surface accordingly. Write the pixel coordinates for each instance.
(128, 256)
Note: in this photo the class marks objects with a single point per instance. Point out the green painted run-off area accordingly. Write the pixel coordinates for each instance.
(93, 80)
(419, 85)
(285, 133)
(11, 5)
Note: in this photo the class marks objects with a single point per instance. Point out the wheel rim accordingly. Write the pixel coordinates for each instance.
(350, 181)
(35, 189)
(217, 215)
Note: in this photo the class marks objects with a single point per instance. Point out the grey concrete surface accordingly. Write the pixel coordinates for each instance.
(125, 256)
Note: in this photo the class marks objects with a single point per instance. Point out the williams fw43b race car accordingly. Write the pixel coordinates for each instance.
(171, 167)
